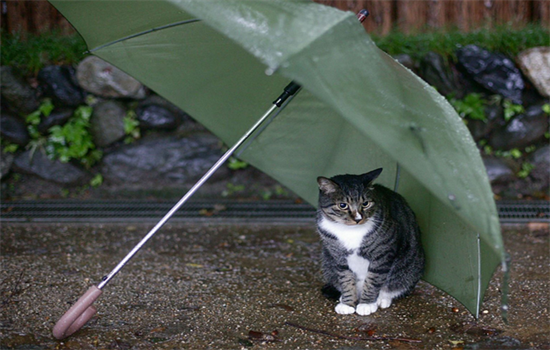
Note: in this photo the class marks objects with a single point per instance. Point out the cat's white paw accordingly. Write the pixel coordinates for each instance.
(366, 309)
(384, 303)
(344, 309)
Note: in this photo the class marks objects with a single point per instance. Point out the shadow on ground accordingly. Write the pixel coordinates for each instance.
(238, 287)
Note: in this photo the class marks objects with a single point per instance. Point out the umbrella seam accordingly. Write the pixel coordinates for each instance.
(155, 29)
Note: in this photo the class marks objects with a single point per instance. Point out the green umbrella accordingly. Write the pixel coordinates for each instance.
(223, 62)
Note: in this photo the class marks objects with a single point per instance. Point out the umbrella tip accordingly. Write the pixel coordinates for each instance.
(362, 15)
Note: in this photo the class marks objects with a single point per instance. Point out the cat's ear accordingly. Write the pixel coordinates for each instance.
(326, 186)
(371, 176)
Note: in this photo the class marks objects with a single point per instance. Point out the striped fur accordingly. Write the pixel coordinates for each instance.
(371, 242)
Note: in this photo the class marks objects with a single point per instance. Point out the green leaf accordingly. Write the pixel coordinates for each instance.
(526, 169)
(515, 153)
(236, 164)
(10, 148)
(471, 106)
(96, 181)
(46, 107)
(33, 118)
(511, 109)
(83, 112)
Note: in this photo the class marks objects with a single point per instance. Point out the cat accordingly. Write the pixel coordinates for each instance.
(371, 250)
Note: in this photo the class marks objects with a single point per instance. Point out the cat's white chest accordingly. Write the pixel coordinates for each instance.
(349, 236)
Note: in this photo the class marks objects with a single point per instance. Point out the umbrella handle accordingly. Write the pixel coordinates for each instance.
(78, 315)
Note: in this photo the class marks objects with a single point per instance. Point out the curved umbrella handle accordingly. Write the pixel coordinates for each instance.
(77, 316)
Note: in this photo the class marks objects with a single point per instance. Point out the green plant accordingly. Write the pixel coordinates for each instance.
(513, 153)
(277, 191)
(236, 164)
(526, 169)
(471, 106)
(504, 39)
(73, 140)
(38, 50)
(8, 147)
(511, 109)
(131, 127)
(546, 108)
(96, 180)
(231, 189)
(38, 141)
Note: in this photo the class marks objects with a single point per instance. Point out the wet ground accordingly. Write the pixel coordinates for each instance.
(198, 286)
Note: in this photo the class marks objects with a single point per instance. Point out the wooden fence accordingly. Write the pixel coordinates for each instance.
(406, 15)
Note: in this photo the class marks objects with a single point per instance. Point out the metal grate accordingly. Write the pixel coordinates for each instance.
(114, 210)
(280, 211)
(523, 211)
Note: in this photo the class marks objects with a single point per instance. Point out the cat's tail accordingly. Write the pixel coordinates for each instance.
(330, 292)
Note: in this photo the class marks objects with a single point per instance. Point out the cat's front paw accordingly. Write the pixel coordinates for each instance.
(344, 309)
(366, 309)
(384, 303)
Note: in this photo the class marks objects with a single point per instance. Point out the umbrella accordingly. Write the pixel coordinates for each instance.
(223, 62)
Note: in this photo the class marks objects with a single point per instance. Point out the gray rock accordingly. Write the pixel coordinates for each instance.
(524, 130)
(436, 72)
(535, 64)
(540, 159)
(481, 129)
(6, 161)
(167, 161)
(156, 117)
(405, 60)
(53, 170)
(157, 113)
(59, 83)
(107, 122)
(497, 170)
(17, 92)
(14, 129)
(103, 79)
(495, 72)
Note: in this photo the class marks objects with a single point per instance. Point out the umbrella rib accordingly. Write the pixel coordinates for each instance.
(397, 177)
(478, 296)
(187, 21)
(265, 125)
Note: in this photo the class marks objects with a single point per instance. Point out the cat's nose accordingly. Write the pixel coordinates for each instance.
(357, 218)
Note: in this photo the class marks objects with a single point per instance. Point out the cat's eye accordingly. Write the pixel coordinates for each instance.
(343, 205)
(367, 204)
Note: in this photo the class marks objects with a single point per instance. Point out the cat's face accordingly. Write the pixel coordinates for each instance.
(348, 199)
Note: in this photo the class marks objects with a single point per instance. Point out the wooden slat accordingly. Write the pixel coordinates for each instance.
(436, 16)
(541, 12)
(41, 16)
(382, 16)
(17, 17)
(468, 15)
(412, 15)
(409, 16)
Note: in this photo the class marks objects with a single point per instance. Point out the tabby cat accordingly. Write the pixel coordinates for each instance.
(371, 242)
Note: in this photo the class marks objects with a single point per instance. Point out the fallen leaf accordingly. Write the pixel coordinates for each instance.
(264, 337)
(282, 306)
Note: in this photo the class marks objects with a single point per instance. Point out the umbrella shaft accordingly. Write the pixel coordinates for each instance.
(184, 199)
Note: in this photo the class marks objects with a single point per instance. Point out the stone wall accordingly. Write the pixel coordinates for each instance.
(146, 142)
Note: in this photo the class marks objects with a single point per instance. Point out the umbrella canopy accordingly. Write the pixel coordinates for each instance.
(224, 62)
